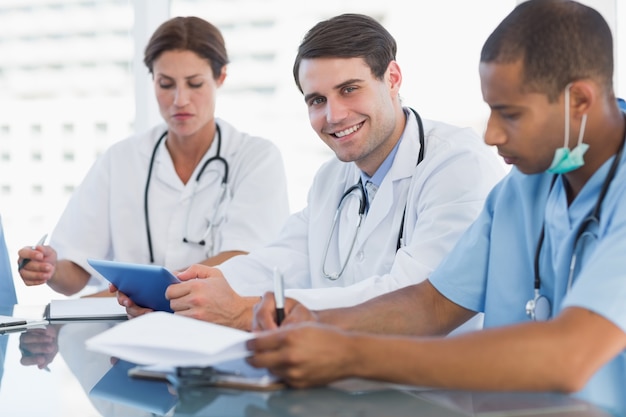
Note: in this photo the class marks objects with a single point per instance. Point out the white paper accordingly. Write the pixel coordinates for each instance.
(86, 308)
(160, 338)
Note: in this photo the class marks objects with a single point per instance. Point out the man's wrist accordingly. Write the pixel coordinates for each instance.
(248, 313)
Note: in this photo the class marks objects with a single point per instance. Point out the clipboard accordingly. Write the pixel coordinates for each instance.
(234, 374)
(183, 380)
(144, 284)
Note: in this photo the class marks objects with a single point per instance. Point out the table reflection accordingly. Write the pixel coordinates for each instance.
(95, 383)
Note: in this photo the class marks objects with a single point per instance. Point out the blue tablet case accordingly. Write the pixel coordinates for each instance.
(144, 284)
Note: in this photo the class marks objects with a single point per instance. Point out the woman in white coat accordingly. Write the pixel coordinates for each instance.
(193, 190)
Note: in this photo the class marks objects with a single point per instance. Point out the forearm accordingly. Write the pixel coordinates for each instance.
(550, 356)
(222, 257)
(69, 278)
(415, 310)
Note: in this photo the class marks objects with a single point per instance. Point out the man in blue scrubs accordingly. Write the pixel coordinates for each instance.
(545, 261)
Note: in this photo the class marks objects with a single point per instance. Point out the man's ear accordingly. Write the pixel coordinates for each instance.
(393, 76)
(583, 94)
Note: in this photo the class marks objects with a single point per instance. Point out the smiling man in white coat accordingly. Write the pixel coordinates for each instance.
(349, 244)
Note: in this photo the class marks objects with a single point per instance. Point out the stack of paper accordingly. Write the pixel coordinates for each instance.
(161, 338)
(88, 308)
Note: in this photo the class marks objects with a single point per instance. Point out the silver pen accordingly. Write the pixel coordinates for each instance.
(279, 296)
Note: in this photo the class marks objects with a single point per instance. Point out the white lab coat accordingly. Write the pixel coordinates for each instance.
(446, 191)
(104, 218)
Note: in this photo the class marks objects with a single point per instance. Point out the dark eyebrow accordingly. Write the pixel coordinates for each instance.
(501, 107)
(337, 87)
(309, 96)
(171, 78)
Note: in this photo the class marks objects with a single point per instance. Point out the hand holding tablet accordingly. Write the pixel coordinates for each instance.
(144, 284)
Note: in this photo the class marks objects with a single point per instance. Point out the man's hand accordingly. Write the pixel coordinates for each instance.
(304, 355)
(265, 313)
(205, 294)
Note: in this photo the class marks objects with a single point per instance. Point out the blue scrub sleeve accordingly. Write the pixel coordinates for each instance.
(462, 275)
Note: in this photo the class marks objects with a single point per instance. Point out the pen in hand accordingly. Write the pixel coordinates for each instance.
(279, 296)
(27, 260)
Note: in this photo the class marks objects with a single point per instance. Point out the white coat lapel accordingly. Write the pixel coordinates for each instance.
(391, 197)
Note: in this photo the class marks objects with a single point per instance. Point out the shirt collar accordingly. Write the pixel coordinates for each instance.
(383, 169)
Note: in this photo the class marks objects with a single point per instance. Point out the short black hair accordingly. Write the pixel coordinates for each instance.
(558, 41)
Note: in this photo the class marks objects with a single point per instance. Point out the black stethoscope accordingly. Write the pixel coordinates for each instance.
(539, 308)
(217, 158)
(333, 276)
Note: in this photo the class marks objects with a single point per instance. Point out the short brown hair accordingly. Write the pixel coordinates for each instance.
(188, 34)
(348, 36)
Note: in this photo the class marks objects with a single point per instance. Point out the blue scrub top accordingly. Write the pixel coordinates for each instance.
(8, 297)
(491, 269)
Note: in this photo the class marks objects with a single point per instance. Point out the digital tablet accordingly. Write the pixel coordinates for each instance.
(117, 387)
(144, 284)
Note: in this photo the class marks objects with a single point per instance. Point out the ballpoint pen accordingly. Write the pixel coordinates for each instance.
(279, 296)
(27, 260)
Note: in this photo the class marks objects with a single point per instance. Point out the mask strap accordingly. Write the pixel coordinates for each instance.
(566, 139)
(583, 123)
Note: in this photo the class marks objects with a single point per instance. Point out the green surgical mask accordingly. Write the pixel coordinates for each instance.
(565, 160)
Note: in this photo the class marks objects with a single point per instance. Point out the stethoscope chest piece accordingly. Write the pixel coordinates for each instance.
(538, 309)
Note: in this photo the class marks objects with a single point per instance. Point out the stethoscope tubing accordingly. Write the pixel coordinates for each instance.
(593, 217)
(333, 276)
(216, 157)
